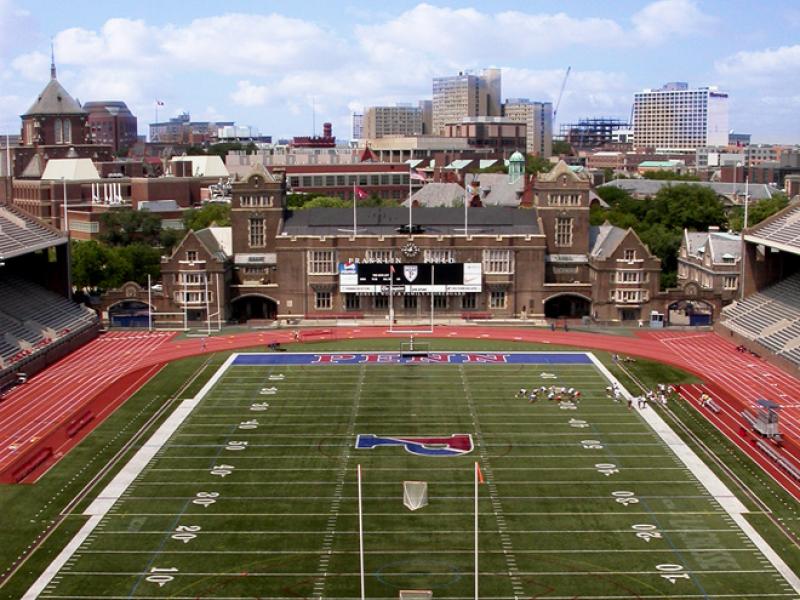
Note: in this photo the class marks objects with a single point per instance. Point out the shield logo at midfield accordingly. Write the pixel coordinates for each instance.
(410, 272)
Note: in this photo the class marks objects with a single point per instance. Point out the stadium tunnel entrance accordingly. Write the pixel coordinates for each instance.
(567, 306)
(253, 306)
(129, 313)
(692, 312)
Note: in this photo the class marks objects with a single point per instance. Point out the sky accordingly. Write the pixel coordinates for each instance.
(282, 66)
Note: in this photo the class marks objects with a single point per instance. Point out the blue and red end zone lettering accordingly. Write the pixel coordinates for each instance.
(453, 445)
(394, 358)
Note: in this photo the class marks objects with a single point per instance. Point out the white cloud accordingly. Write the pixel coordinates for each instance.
(665, 19)
(248, 94)
(32, 66)
(758, 65)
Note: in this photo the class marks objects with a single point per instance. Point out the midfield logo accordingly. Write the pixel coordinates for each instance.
(452, 445)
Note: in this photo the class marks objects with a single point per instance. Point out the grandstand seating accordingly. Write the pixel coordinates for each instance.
(770, 317)
(32, 317)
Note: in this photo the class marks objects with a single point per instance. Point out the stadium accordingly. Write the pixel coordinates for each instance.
(452, 461)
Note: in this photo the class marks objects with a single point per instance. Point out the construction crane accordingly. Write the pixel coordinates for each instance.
(560, 94)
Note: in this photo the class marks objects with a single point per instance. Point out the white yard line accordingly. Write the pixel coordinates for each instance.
(721, 493)
(117, 486)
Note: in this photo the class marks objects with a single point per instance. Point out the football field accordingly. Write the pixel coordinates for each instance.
(254, 495)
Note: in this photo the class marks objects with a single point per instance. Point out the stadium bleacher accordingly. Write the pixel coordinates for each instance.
(32, 317)
(770, 317)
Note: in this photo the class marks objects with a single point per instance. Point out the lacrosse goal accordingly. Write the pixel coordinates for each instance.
(415, 494)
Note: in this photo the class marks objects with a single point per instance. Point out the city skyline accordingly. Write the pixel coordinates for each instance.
(267, 68)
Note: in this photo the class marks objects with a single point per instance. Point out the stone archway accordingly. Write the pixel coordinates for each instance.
(690, 311)
(253, 307)
(567, 306)
(129, 313)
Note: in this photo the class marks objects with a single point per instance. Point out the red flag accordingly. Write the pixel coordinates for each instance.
(419, 176)
(480, 473)
(360, 194)
(391, 268)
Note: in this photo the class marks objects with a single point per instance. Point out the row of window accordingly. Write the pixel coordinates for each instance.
(563, 199)
(495, 261)
(310, 181)
(249, 201)
(324, 301)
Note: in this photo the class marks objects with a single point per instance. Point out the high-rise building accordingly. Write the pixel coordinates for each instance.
(426, 106)
(538, 118)
(383, 121)
(358, 126)
(465, 95)
(112, 123)
(676, 118)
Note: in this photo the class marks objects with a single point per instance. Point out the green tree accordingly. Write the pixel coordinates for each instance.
(664, 175)
(560, 147)
(139, 261)
(88, 264)
(537, 164)
(756, 211)
(210, 214)
(327, 202)
(123, 226)
(170, 238)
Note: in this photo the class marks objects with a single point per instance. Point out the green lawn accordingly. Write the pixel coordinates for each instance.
(278, 518)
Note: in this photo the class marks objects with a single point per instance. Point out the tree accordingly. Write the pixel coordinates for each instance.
(756, 211)
(123, 226)
(664, 175)
(537, 164)
(139, 261)
(327, 202)
(210, 214)
(560, 147)
(659, 221)
(170, 239)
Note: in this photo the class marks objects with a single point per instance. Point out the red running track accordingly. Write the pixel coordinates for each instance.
(60, 403)
(736, 378)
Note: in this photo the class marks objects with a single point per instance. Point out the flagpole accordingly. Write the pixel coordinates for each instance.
(476, 529)
(360, 532)
(409, 199)
(391, 297)
(149, 304)
(433, 284)
(355, 228)
(466, 205)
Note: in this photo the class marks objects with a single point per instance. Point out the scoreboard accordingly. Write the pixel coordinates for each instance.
(409, 278)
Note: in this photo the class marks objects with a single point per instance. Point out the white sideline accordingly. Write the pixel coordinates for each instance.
(117, 486)
(708, 479)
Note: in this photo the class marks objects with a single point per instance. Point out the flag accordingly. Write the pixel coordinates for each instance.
(391, 268)
(159, 102)
(418, 176)
(360, 194)
(480, 473)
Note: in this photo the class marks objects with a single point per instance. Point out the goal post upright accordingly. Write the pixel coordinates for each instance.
(360, 533)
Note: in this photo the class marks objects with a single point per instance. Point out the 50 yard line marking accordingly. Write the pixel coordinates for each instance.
(497, 507)
(333, 513)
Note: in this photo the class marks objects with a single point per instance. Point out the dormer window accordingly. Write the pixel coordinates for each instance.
(629, 254)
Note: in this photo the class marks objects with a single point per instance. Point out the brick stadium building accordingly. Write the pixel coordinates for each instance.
(546, 261)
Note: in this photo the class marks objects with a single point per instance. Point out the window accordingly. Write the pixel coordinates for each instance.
(59, 132)
(730, 282)
(629, 296)
(629, 254)
(256, 231)
(469, 301)
(191, 255)
(191, 278)
(378, 256)
(67, 131)
(630, 276)
(440, 302)
(409, 302)
(320, 262)
(498, 262)
(563, 232)
(380, 302)
(435, 255)
(322, 301)
(352, 302)
(497, 299)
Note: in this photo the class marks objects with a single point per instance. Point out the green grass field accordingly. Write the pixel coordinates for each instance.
(211, 517)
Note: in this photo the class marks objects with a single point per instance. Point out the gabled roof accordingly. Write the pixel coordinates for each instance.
(496, 189)
(560, 169)
(606, 238)
(205, 166)
(54, 100)
(34, 168)
(215, 240)
(70, 169)
(438, 194)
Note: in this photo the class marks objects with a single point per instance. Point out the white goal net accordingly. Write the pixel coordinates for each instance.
(416, 594)
(415, 494)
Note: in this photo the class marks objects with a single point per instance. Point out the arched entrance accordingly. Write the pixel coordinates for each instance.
(253, 306)
(128, 313)
(567, 306)
(690, 311)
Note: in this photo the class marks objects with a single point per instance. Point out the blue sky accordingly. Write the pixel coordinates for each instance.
(265, 63)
